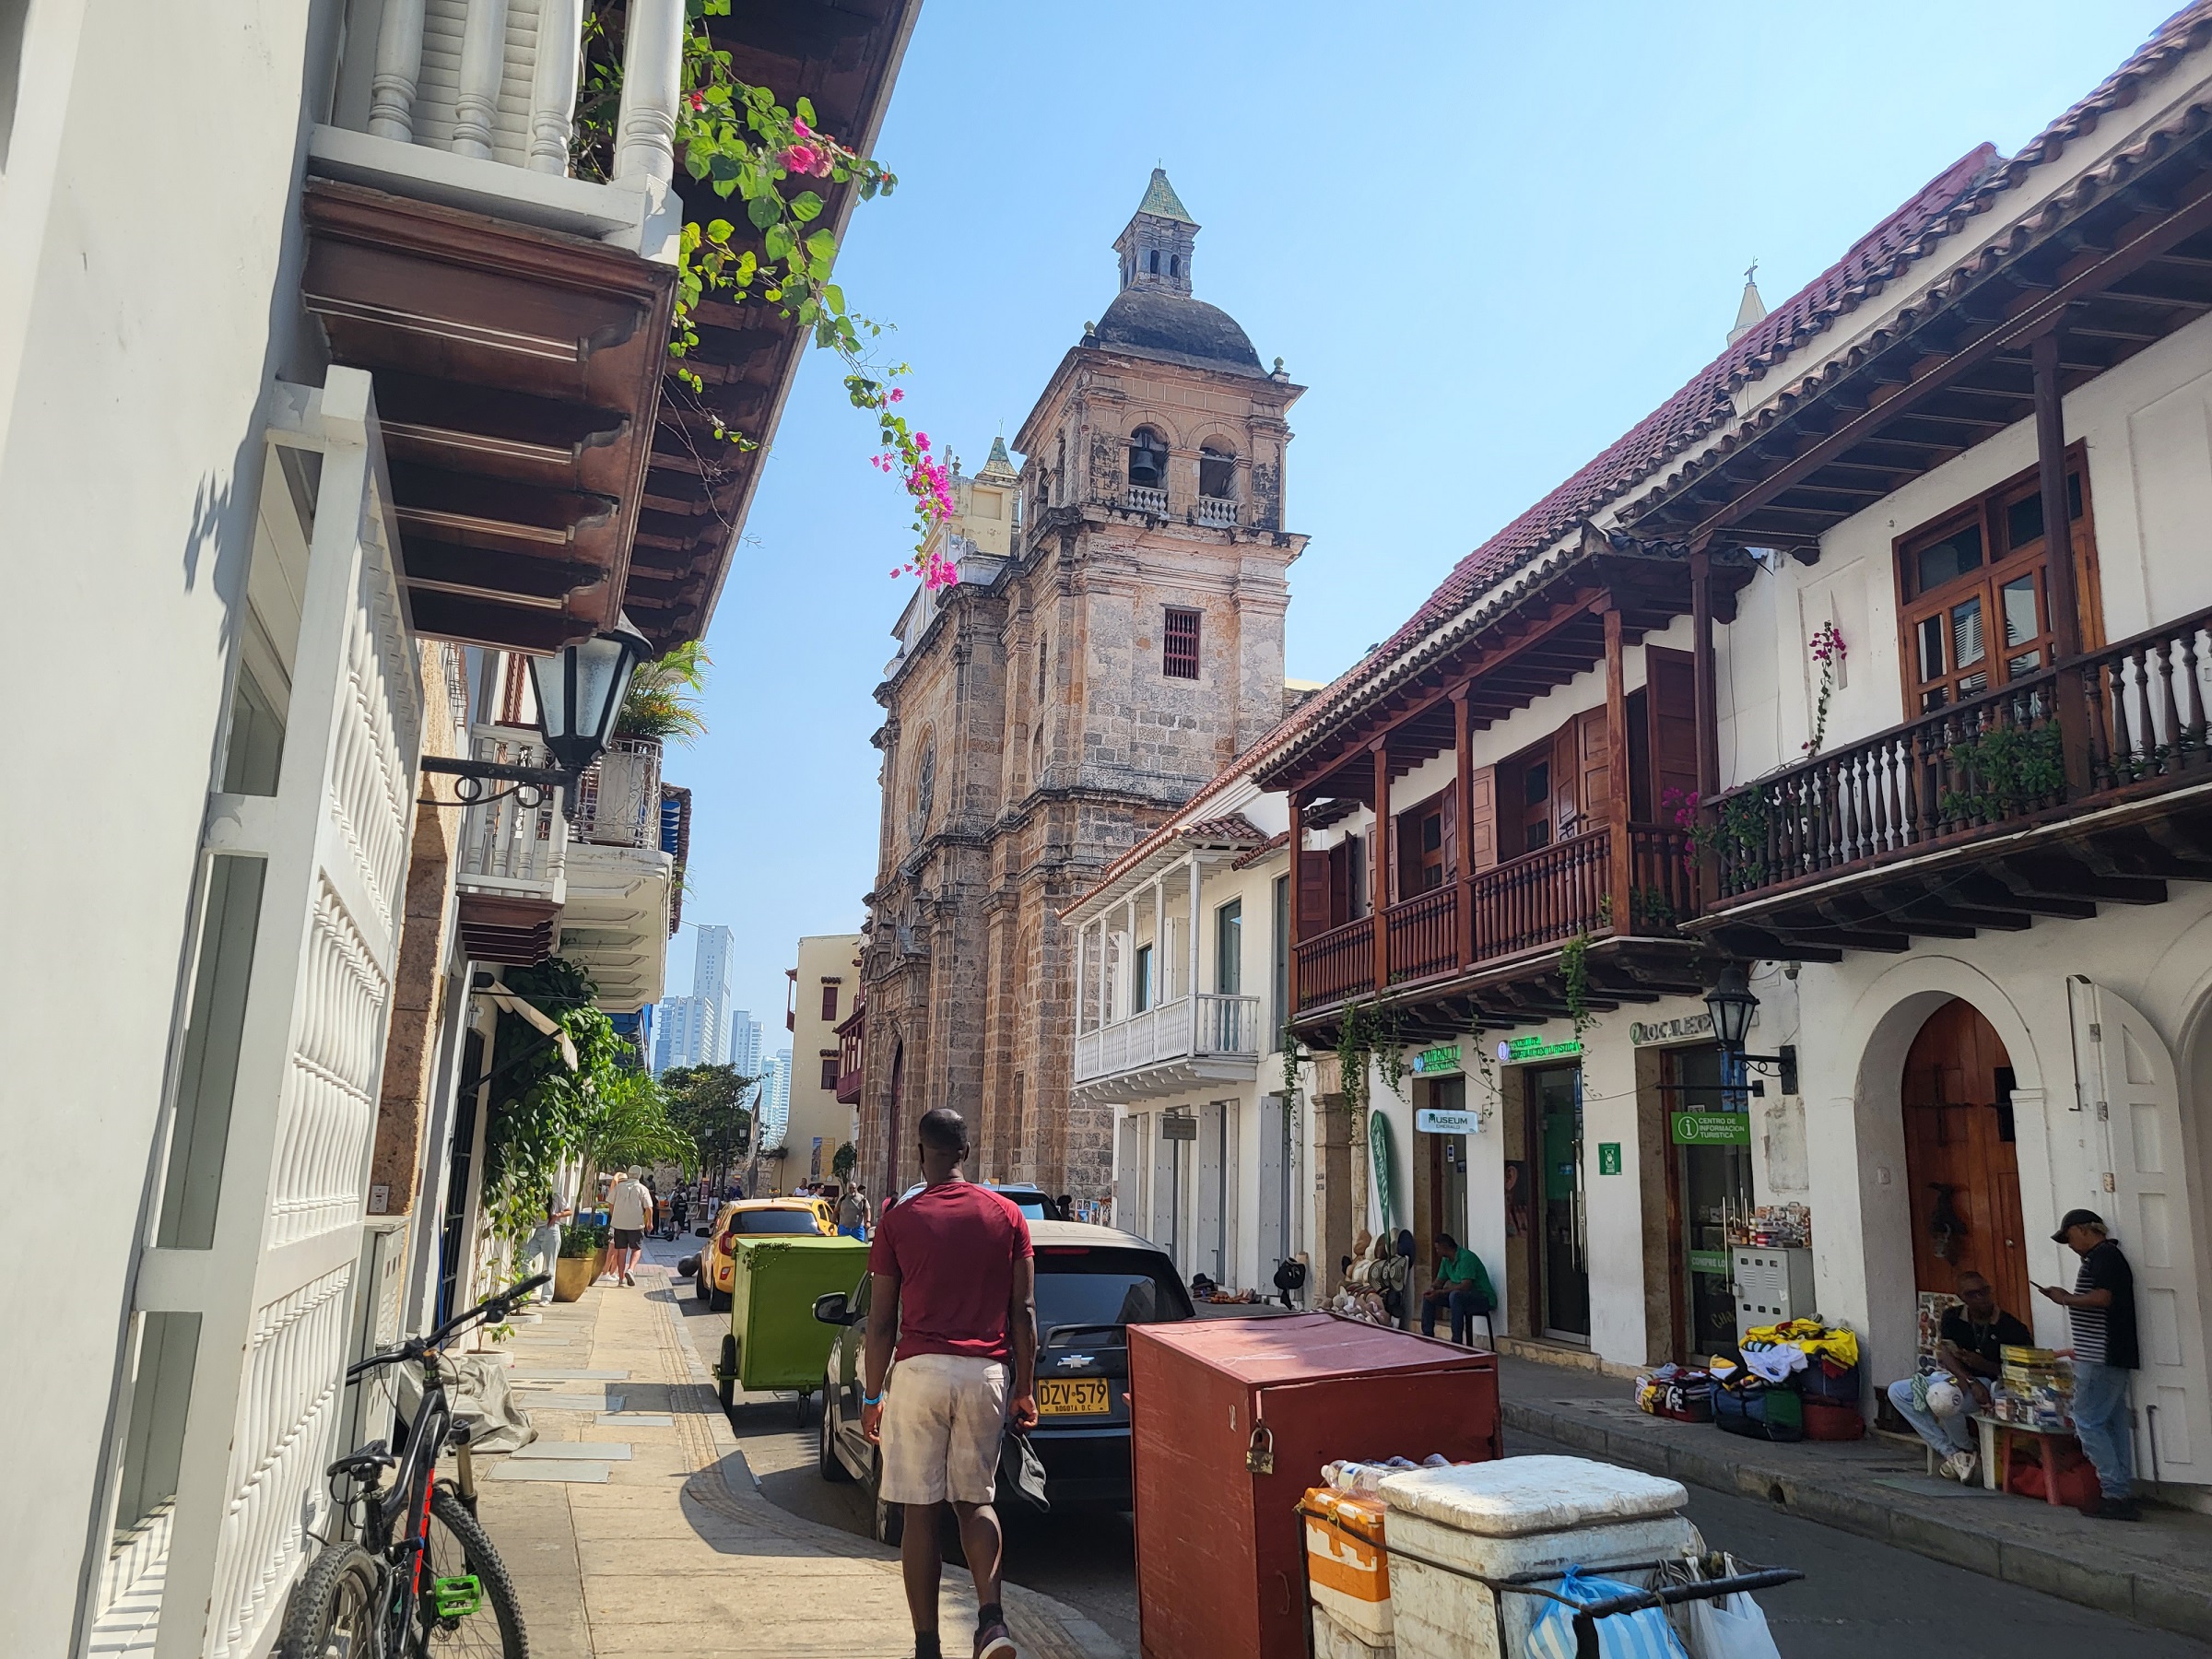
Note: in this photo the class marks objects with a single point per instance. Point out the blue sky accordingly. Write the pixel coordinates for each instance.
(1488, 237)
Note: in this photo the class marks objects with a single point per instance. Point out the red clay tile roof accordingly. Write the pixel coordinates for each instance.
(1273, 844)
(1236, 827)
(1933, 213)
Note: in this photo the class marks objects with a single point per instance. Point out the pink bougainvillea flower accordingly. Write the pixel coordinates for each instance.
(897, 395)
(799, 126)
(801, 159)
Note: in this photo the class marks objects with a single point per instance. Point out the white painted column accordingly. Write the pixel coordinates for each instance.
(652, 80)
(483, 61)
(1082, 949)
(553, 85)
(398, 70)
(1197, 1033)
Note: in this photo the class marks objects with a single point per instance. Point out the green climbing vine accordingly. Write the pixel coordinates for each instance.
(1292, 1059)
(1574, 969)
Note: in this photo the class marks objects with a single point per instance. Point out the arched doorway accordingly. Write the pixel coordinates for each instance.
(1961, 1161)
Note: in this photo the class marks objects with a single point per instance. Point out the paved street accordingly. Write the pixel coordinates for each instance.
(1860, 1598)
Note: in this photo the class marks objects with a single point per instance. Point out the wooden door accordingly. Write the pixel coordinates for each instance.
(1594, 768)
(1482, 818)
(1671, 710)
(1961, 1163)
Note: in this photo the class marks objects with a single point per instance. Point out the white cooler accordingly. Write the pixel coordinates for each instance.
(1516, 1516)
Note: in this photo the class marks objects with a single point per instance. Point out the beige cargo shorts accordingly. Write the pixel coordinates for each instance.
(942, 1423)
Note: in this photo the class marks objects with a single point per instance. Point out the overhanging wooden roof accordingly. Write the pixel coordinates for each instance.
(842, 56)
(516, 373)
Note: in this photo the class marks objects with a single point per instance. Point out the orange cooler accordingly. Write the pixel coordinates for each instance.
(1346, 1564)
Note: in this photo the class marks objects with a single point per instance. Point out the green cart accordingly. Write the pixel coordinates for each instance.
(775, 1341)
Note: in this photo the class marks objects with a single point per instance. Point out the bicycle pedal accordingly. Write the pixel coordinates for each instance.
(456, 1597)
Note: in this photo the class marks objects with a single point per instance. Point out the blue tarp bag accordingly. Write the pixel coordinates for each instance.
(1643, 1634)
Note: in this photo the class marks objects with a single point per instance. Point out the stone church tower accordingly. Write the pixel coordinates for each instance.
(1115, 639)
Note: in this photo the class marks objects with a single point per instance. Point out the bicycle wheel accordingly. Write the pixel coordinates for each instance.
(456, 1547)
(333, 1613)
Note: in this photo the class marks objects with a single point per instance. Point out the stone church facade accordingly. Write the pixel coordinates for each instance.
(1114, 640)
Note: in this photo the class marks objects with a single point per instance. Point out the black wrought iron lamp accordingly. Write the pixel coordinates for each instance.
(1731, 1003)
(580, 693)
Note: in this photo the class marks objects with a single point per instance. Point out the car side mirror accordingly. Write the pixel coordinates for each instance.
(831, 1309)
(702, 1232)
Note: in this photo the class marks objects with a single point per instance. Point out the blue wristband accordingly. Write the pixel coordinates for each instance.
(871, 1399)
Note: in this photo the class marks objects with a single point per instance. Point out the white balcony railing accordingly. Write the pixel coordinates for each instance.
(1217, 512)
(1202, 1026)
(619, 802)
(505, 846)
(1141, 500)
(495, 81)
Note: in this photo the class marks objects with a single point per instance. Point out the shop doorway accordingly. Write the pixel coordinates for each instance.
(1561, 1258)
(1440, 1152)
(1708, 1180)
(1963, 1164)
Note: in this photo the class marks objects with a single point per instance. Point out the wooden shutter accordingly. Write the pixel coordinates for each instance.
(1314, 884)
(1565, 806)
(1482, 818)
(1671, 706)
(1451, 834)
(1593, 766)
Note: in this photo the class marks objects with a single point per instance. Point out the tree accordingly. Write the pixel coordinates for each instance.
(709, 1103)
(844, 1161)
(624, 1120)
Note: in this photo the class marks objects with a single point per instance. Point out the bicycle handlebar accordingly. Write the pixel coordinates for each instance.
(492, 1307)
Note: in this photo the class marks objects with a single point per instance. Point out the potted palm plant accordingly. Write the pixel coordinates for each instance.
(662, 704)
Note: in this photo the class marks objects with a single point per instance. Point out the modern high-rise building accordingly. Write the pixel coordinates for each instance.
(745, 1038)
(775, 1096)
(696, 1029)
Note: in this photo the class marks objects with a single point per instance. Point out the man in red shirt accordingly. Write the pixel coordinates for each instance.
(955, 1286)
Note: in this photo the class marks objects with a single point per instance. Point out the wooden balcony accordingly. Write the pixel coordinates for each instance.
(1506, 966)
(2089, 782)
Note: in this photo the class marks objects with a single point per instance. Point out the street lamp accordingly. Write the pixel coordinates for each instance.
(1731, 1003)
(580, 693)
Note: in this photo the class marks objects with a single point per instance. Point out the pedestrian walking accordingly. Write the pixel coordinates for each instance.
(543, 1249)
(628, 1212)
(2102, 1308)
(953, 1281)
(852, 1212)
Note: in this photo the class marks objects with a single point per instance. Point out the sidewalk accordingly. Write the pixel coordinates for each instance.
(2159, 1573)
(633, 1529)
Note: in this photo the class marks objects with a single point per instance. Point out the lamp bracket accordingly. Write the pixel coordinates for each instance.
(470, 776)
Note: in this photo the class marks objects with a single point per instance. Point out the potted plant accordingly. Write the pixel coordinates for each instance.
(582, 1252)
(661, 704)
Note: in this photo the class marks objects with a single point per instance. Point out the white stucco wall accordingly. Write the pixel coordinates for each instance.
(148, 296)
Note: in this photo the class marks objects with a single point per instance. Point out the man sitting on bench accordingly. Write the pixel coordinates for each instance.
(1969, 1349)
(1460, 1285)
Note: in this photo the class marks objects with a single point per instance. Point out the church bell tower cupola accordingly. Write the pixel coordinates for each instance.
(1156, 248)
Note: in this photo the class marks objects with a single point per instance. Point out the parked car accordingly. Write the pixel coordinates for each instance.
(713, 1269)
(1092, 1283)
(1032, 1202)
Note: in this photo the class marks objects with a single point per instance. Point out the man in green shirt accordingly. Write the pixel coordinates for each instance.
(1460, 1285)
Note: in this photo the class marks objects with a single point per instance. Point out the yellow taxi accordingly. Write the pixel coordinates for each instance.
(752, 1217)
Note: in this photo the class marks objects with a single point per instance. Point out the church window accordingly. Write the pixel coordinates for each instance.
(1180, 658)
(1175, 265)
(1152, 262)
(1217, 472)
(925, 784)
(1148, 459)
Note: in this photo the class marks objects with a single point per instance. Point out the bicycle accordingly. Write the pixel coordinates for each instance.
(417, 1577)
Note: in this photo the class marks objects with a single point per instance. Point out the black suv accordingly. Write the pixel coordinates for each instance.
(1092, 1283)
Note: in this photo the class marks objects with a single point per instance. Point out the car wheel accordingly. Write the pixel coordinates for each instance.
(718, 1302)
(725, 1375)
(832, 1466)
(699, 1286)
(890, 1524)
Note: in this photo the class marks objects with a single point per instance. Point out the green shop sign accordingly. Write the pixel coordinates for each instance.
(1430, 1062)
(1709, 1261)
(1523, 1049)
(1712, 1129)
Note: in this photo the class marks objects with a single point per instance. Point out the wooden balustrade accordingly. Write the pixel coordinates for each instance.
(1544, 896)
(1423, 935)
(2108, 722)
(1336, 964)
(1662, 886)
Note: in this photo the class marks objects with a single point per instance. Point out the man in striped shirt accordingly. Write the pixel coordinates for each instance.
(2102, 1308)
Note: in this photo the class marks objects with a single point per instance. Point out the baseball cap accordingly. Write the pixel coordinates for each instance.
(2073, 1218)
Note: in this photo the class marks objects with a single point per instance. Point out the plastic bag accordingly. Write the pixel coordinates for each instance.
(1730, 1628)
(1643, 1634)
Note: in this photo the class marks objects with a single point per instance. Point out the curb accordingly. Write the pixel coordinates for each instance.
(2184, 1610)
